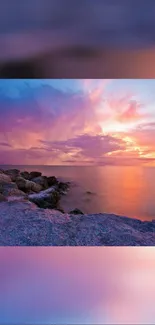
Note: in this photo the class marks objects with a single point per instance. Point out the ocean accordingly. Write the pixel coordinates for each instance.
(127, 191)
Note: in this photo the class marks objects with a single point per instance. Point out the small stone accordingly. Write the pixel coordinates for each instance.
(76, 211)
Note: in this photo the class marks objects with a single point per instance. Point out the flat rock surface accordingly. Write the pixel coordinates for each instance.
(23, 224)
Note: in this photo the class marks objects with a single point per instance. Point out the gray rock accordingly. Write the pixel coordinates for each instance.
(25, 175)
(13, 173)
(10, 189)
(76, 211)
(63, 187)
(27, 186)
(46, 199)
(5, 178)
(42, 181)
(52, 180)
(24, 224)
(34, 174)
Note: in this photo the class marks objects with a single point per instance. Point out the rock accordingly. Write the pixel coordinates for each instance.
(25, 175)
(76, 211)
(24, 224)
(2, 198)
(13, 173)
(52, 181)
(10, 189)
(5, 179)
(1, 171)
(27, 186)
(63, 187)
(42, 181)
(90, 193)
(61, 210)
(45, 199)
(34, 175)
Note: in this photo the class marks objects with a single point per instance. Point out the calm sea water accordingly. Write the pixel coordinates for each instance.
(126, 191)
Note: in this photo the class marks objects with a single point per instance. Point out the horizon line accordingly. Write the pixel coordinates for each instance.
(76, 165)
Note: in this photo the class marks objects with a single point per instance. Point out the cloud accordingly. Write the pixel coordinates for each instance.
(40, 123)
(5, 144)
(127, 108)
(131, 113)
(87, 146)
(48, 112)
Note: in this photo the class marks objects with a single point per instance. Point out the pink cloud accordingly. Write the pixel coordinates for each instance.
(73, 123)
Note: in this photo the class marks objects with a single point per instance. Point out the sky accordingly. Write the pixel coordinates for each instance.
(77, 285)
(77, 122)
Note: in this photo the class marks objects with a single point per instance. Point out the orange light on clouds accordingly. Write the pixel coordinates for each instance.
(49, 130)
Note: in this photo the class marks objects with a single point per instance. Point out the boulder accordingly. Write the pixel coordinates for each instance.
(8, 189)
(46, 200)
(76, 211)
(89, 192)
(1, 171)
(34, 175)
(27, 186)
(42, 181)
(2, 198)
(63, 187)
(13, 173)
(52, 181)
(4, 178)
(25, 175)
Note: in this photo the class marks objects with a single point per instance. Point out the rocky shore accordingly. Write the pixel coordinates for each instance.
(44, 191)
(31, 215)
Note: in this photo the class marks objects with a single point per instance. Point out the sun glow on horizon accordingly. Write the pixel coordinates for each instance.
(91, 122)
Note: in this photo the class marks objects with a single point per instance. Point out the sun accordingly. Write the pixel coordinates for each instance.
(113, 127)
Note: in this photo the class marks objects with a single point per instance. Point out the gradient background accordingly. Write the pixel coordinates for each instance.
(77, 285)
(84, 38)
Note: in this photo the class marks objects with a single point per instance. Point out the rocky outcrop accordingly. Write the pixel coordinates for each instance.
(63, 187)
(52, 181)
(4, 178)
(34, 175)
(42, 181)
(46, 199)
(10, 189)
(25, 175)
(13, 173)
(43, 191)
(24, 224)
(27, 186)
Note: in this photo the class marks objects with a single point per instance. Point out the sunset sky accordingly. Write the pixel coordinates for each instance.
(77, 122)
